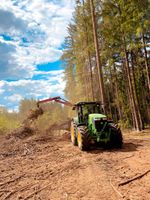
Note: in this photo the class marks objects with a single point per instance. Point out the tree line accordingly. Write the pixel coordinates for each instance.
(107, 58)
(54, 113)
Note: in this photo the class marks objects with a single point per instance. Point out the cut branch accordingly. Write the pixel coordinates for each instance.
(19, 190)
(115, 189)
(11, 181)
(36, 192)
(135, 178)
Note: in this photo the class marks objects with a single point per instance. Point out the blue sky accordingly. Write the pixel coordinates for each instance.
(32, 33)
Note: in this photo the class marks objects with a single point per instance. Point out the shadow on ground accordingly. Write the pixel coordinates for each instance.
(127, 147)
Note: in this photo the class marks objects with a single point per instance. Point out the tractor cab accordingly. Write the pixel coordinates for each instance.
(84, 109)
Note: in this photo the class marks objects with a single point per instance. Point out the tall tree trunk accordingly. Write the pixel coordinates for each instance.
(88, 53)
(109, 102)
(91, 75)
(144, 97)
(117, 92)
(99, 67)
(128, 95)
(85, 84)
(112, 95)
(135, 108)
(135, 92)
(146, 62)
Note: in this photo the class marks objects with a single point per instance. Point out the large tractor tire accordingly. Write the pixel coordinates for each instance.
(116, 139)
(83, 138)
(73, 134)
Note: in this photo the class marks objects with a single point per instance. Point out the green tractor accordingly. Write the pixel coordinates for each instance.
(90, 126)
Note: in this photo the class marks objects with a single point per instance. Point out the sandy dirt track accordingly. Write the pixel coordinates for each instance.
(42, 167)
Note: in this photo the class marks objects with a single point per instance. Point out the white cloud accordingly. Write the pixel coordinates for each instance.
(36, 29)
(14, 98)
(31, 33)
(54, 72)
(1, 87)
(14, 91)
(10, 23)
(11, 65)
(15, 109)
(1, 91)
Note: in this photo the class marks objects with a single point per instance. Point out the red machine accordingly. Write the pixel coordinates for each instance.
(56, 99)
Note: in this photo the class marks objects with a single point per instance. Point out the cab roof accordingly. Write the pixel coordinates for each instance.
(87, 103)
(97, 115)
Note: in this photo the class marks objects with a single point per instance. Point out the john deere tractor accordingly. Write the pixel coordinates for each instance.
(90, 126)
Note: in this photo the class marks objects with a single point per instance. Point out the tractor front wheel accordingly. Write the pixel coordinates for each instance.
(83, 138)
(116, 139)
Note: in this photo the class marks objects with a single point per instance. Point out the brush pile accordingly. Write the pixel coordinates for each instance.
(27, 127)
(32, 116)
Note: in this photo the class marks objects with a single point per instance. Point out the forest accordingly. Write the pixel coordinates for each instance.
(106, 58)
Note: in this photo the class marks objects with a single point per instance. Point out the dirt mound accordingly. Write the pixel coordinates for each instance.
(26, 129)
(57, 131)
(22, 132)
(59, 126)
(65, 125)
(60, 132)
(66, 136)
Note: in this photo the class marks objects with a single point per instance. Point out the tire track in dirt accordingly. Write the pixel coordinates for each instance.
(54, 169)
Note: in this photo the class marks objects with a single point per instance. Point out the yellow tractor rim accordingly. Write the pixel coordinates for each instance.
(79, 138)
(72, 133)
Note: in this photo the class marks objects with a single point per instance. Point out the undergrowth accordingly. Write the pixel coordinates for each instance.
(7, 123)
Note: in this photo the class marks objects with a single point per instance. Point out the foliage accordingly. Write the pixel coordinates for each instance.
(25, 106)
(123, 37)
(54, 113)
(8, 121)
(123, 34)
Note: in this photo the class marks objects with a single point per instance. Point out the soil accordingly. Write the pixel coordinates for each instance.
(48, 167)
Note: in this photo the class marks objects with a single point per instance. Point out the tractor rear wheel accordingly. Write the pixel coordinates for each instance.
(73, 134)
(116, 139)
(83, 138)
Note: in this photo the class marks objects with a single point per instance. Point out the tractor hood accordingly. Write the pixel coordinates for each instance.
(93, 117)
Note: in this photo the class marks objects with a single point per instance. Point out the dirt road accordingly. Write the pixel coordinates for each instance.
(46, 168)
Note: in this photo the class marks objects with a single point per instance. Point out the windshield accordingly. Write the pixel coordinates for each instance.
(91, 108)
